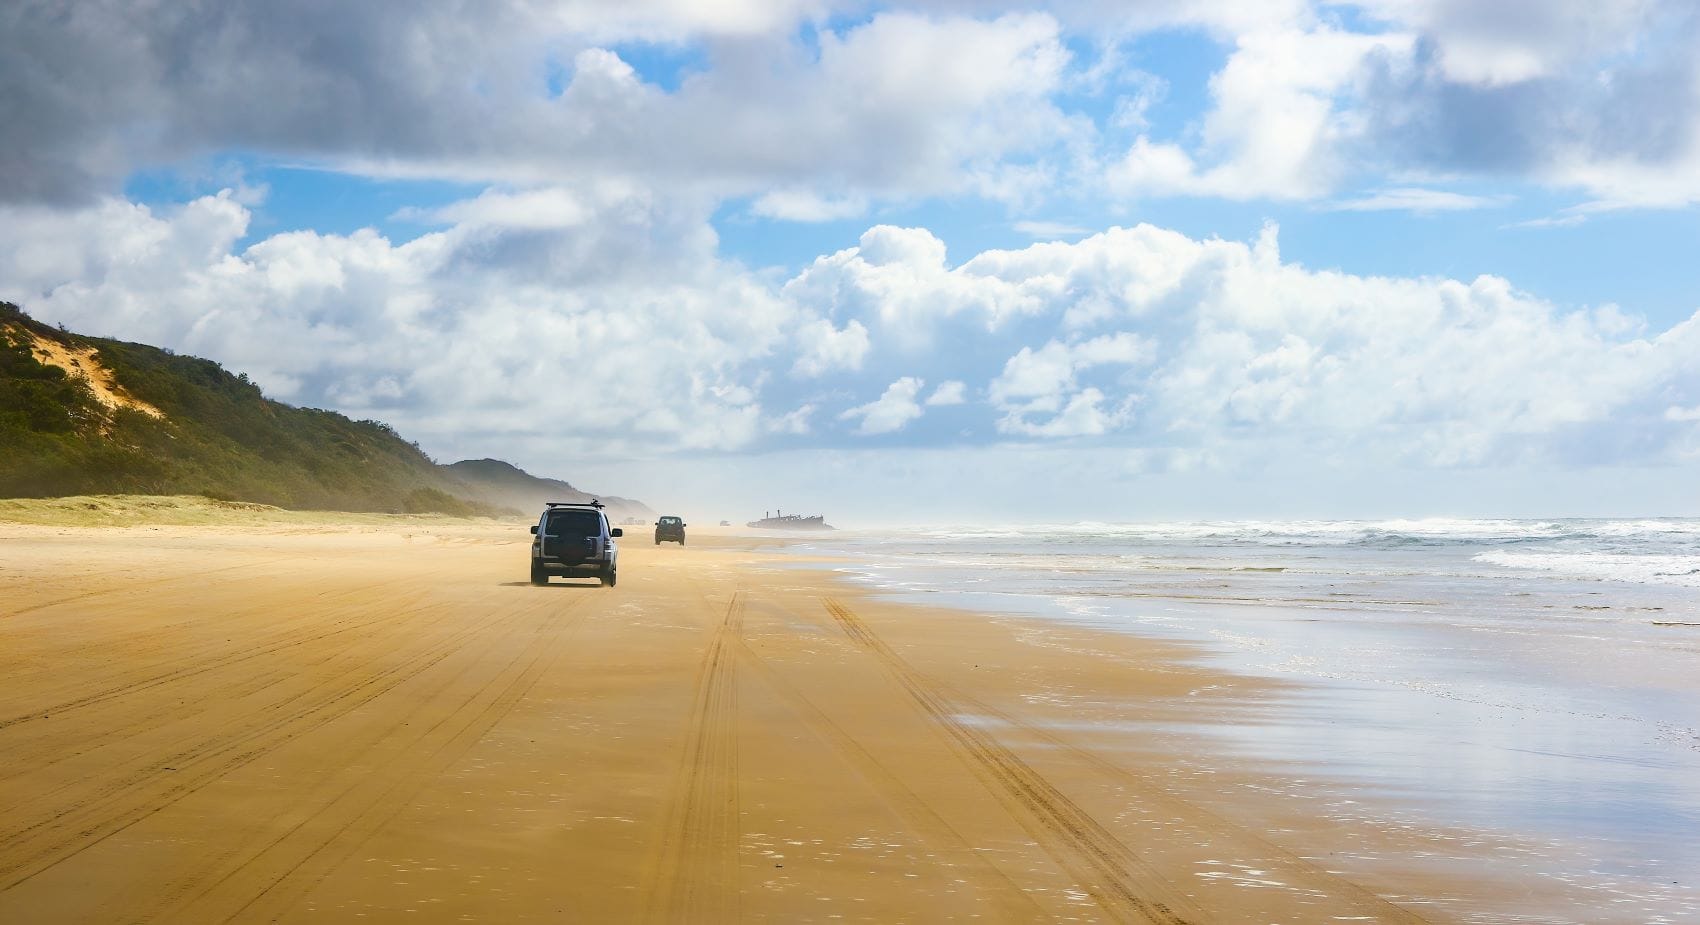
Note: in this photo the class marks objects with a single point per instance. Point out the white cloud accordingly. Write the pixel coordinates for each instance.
(1416, 199)
(897, 279)
(823, 348)
(1563, 220)
(795, 422)
(1512, 41)
(1601, 97)
(1083, 416)
(548, 208)
(892, 411)
(1598, 97)
(949, 392)
(1044, 381)
(1276, 124)
(1227, 351)
(807, 206)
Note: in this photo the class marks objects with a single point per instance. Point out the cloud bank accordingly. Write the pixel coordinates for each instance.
(617, 313)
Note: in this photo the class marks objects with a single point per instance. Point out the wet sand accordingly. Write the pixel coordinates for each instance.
(302, 722)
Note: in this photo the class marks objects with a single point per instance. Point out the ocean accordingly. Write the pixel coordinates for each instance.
(1536, 679)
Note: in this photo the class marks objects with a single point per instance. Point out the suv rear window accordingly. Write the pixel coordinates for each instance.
(574, 523)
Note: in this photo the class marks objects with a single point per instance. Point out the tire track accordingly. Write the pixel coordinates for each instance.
(696, 879)
(1015, 903)
(138, 644)
(1103, 865)
(189, 666)
(132, 586)
(143, 765)
(1375, 904)
(303, 859)
(28, 851)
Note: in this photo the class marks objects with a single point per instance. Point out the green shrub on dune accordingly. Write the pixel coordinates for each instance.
(216, 435)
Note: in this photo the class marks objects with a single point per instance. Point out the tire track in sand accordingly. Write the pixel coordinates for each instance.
(175, 640)
(1092, 854)
(196, 663)
(696, 876)
(302, 857)
(1370, 903)
(30, 849)
(131, 587)
(129, 747)
(1014, 903)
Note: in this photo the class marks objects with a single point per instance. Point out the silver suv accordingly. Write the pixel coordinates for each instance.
(574, 540)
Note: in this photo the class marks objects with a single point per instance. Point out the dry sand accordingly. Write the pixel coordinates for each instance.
(382, 720)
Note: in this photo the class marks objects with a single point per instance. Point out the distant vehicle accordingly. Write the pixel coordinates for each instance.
(782, 521)
(671, 529)
(726, 523)
(574, 541)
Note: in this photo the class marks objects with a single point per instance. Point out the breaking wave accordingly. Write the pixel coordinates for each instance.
(1600, 566)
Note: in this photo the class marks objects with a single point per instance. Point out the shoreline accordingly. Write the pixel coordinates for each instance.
(880, 759)
(1394, 750)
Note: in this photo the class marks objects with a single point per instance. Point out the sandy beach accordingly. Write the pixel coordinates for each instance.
(381, 720)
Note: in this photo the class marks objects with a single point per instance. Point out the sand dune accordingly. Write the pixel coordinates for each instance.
(386, 721)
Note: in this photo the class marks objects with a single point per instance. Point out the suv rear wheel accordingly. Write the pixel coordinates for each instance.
(608, 575)
(538, 576)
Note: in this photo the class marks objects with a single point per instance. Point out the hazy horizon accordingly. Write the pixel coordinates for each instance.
(872, 500)
(974, 263)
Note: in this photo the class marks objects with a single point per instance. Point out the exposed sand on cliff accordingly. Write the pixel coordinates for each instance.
(84, 363)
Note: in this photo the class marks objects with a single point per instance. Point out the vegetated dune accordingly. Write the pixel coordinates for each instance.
(89, 415)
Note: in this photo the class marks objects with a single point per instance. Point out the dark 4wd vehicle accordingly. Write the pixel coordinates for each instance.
(574, 541)
(670, 528)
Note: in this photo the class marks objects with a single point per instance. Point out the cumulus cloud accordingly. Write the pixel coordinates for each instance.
(1276, 126)
(894, 409)
(1045, 382)
(492, 330)
(1083, 416)
(618, 315)
(822, 348)
(1225, 351)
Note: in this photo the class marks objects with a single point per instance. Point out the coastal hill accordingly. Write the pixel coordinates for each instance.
(505, 485)
(91, 415)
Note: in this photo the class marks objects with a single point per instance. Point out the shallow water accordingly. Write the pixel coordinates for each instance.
(1534, 678)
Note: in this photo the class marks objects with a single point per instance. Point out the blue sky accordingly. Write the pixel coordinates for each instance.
(844, 252)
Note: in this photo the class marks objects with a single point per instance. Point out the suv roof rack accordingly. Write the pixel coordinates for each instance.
(594, 502)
